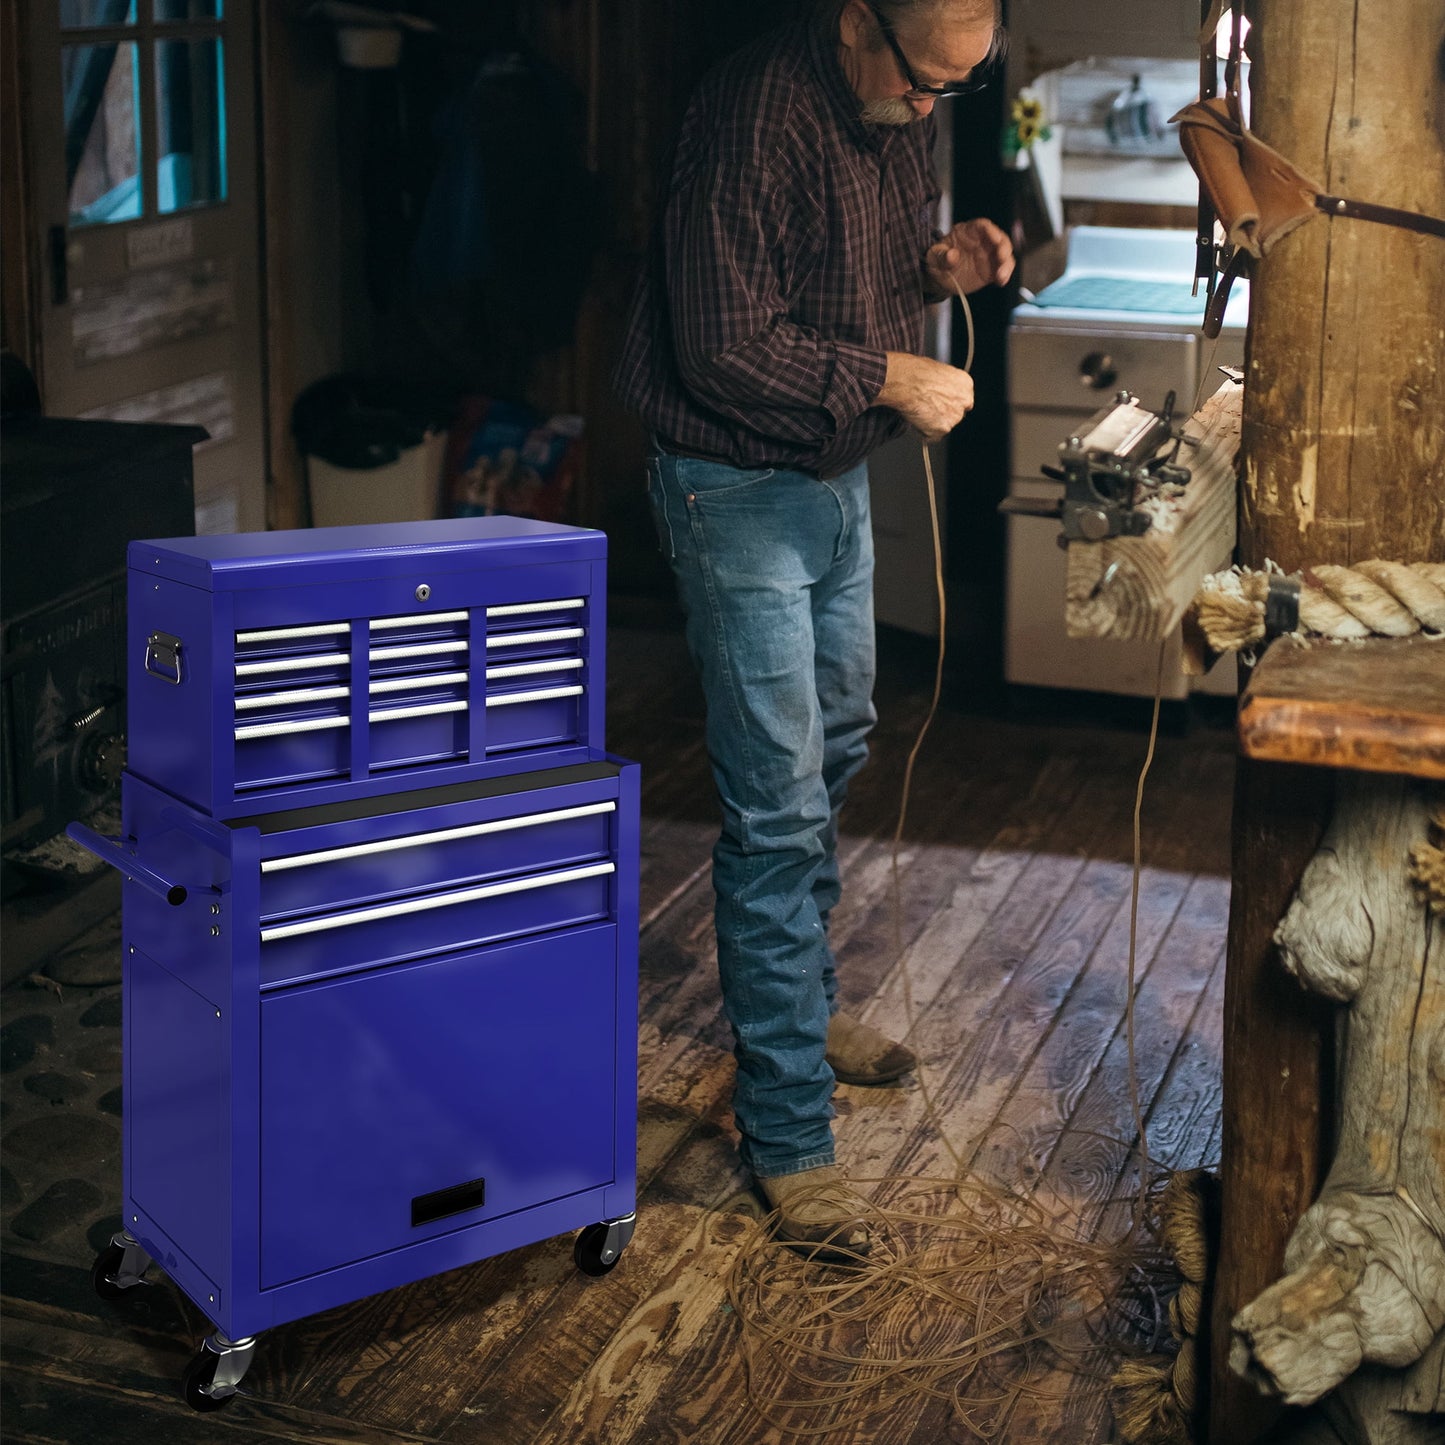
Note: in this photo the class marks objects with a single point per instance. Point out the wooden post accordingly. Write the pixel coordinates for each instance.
(1343, 451)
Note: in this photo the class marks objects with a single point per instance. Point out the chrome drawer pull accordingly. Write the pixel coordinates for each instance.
(521, 669)
(293, 664)
(418, 649)
(285, 634)
(536, 694)
(302, 725)
(431, 709)
(444, 835)
(444, 900)
(426, 679)
(519, 609)
(420, 620)
(520, 639)
(299, 694)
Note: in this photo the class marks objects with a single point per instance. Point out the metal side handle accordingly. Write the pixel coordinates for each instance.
(109, 850)
(163, 657)
(438, 900)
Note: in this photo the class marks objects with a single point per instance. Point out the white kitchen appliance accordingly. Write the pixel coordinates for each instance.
(1120, 317)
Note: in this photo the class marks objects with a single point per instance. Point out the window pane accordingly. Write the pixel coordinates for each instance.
(102, 132)
(188, 9)
(77, 13)
(190, 124)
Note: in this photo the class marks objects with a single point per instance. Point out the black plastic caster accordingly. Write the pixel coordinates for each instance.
(589, 1249)
(198, 1375)
(108, 1264)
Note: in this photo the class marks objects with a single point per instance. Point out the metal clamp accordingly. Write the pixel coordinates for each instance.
(163, 657)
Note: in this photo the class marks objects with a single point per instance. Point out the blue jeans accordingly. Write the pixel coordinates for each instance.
(775, 573)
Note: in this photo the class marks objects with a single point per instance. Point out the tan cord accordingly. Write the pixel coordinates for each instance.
(1371, 599)
(971, 1288)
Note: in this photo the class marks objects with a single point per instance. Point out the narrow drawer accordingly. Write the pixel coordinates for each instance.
(350, 876)
(324, 945)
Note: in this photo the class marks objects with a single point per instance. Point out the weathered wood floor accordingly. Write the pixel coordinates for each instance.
(1015, 892)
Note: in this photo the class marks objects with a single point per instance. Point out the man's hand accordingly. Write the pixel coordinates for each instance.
(930, 395)
(973, 254)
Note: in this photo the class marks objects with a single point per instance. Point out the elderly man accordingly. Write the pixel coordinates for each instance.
(773, 344)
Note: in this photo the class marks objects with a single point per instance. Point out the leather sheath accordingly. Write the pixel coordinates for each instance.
(1257, 194)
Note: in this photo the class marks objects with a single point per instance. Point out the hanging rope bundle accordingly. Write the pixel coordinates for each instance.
(1239, 608)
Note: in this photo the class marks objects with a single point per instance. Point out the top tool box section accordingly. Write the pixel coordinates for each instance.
(277, 668)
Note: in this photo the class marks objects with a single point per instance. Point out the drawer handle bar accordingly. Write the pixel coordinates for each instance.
(277, 730)
(418, 649)
(445, 835)
(285, 634)
(521, 639)
(420, 679)
(299, 694)
(521, 669)
(444, 900)
(520, 609)
(109, 850)
(293, 664)
(431, 709)
(420, 620)
(535, 694)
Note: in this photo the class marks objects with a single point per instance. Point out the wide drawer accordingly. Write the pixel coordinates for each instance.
(422, 1099)
(417, 925)
(355, 873)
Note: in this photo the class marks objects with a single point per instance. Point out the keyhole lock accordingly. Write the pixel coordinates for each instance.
(422, 592)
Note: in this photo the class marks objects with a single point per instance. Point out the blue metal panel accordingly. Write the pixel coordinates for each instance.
(177, 1071)
(495, 1066)
(278, 559)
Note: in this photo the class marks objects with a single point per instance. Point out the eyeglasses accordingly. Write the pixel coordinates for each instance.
(977, 78)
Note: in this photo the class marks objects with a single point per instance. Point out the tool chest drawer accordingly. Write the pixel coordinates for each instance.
(354, 661)
(411, 1101)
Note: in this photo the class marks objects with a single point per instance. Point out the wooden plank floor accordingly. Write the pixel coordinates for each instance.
(1014, 882)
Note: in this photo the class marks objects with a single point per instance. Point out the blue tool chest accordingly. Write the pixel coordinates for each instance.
(380, 943)
(354, 661)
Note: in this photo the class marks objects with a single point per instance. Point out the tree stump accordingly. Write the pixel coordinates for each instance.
(1366, 1281)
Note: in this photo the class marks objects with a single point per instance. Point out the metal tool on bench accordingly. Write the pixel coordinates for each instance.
(1103, 469)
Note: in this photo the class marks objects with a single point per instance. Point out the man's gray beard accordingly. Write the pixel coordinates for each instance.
(892, 110)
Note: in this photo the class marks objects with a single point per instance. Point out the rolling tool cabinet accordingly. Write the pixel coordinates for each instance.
(379, 996)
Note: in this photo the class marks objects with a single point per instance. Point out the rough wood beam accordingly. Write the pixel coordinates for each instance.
(1374, 705)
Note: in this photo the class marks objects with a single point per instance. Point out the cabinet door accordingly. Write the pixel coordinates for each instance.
(425, 1098)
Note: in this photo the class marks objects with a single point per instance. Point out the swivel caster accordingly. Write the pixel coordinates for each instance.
(119, 1267)
(210, 1379)
(600, 1246)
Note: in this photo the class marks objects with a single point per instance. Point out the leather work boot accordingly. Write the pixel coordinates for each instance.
(859, 1054)
(819, 1214)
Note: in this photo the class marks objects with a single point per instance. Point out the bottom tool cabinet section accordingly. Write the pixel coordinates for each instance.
(378, 1041)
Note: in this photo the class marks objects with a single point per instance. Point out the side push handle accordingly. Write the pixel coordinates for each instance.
(109, 850)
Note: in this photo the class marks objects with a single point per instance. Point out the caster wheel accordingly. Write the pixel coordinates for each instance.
(198, 1374)
(587, 1252)
(107, 1263)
